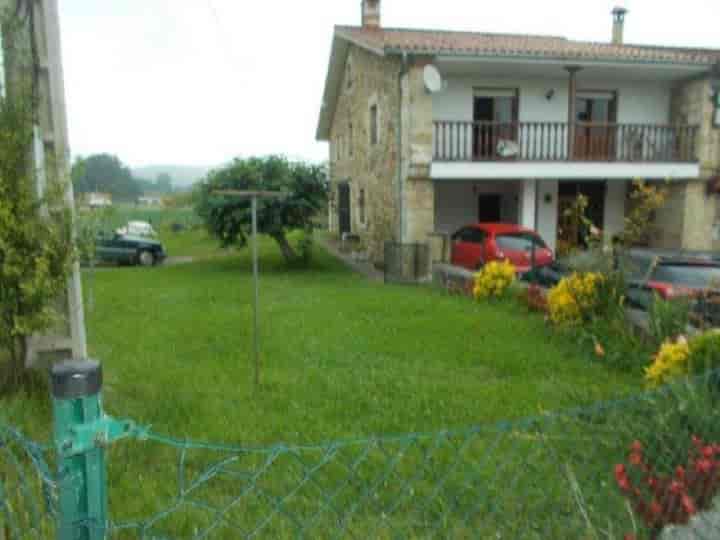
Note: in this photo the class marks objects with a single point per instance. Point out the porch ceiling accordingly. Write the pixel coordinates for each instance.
(562, 171)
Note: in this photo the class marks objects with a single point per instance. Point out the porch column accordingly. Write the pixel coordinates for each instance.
(572, 109)
(528, 199)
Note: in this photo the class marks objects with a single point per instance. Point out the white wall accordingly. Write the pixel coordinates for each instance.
(615, 198)
(547, 211)
(638, 102)
(456, 203)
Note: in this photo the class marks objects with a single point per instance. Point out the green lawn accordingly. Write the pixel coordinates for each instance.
(342, 358)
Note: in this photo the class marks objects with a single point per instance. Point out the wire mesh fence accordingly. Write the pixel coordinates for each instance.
(552, 476)
(406, 263)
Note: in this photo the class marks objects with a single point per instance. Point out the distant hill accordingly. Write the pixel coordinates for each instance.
(182, 176)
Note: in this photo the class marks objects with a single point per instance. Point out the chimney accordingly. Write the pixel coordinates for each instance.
(618, 25)
(371, 13)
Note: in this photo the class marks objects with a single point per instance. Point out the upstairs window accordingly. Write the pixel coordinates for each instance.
(350, 139)
(361, 206)
(349, 74)
(716, 112)
(374, 135)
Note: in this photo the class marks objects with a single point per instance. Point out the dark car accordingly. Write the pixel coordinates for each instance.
(126, 249)
(670, 275)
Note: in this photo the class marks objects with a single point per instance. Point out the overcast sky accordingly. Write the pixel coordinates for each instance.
(197, 82)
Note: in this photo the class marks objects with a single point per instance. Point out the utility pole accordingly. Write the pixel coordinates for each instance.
(51, 155)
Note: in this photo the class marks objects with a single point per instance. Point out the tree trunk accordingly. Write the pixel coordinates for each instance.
(285, 248)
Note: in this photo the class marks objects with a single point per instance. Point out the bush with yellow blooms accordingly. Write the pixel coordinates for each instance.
(494, 280)
(574, 299)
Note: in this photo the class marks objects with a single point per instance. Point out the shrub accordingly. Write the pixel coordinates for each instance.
(671, 361)
(574, 299)
(664, 499)
(494, 279)
(668, 319)
(682, 358)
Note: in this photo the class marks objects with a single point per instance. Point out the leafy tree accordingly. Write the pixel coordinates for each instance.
(105, 173)
(229, 218)
(163, 183)
(36, 248)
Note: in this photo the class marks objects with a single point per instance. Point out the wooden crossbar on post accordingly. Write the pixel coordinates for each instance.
(254, 195)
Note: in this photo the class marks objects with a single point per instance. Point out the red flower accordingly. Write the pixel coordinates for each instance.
(621, 478)
(703, 466)
(680, 473)
(688, 504)
(636, 446)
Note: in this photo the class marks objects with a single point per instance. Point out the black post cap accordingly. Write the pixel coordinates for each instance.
(76, 378)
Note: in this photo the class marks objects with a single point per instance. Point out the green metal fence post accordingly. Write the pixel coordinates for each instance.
(77, 409)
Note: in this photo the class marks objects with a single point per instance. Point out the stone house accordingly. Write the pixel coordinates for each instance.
(430, 130)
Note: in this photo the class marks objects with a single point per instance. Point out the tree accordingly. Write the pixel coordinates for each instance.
(229, 218)
(36, 248)
(105, 173)
(163, 183)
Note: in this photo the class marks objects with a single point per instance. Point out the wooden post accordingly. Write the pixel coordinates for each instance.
(572, 109)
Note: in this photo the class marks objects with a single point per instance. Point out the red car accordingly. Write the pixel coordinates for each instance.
(475, 245)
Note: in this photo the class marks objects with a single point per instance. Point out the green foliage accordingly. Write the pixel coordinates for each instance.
(229, 218)
(668, 318)
(105, 173)
(36, 249)
(704, 352)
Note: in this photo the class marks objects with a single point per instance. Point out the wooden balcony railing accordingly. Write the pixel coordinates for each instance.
(556, 141)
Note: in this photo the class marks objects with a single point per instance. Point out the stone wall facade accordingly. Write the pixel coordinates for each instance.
(370, 169)
(418, 212)
(688, 219)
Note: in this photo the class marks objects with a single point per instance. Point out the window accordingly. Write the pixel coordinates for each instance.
(716, 113)
(519, 242)
(470, 235)
(374, 135)
(349, 74)
(361, 206)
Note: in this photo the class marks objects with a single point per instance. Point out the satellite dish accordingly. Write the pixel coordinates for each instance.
(433, 79)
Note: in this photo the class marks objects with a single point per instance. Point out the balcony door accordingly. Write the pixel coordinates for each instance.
(595, 132)
(495, 116)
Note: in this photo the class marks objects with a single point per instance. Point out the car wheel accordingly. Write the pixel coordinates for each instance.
(146, 258)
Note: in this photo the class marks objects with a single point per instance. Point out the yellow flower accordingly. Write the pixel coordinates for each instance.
(574, 298)
(671, 361)
(494, 279)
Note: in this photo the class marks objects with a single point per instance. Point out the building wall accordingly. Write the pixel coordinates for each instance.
(614, 211)
(638, 102)
(547, 211)
(690, 213)
(372, 168)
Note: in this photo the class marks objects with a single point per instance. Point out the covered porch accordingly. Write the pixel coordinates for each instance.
(538, 204)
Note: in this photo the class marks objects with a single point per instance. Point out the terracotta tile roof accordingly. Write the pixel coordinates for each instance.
(506, 45)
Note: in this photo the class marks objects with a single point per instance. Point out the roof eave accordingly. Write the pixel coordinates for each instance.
(333, 79)
(542, 57)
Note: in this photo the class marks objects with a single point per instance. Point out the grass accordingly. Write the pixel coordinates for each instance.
(342, 358)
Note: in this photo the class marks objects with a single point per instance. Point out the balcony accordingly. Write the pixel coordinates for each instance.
(563, 142)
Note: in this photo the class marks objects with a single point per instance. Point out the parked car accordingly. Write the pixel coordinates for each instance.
(476, 245)
(128, 249)
(669, 275)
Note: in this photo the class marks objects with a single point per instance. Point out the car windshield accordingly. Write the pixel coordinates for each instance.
(519, 241)
(636, 267)
(688, 275)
